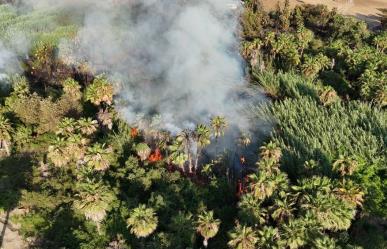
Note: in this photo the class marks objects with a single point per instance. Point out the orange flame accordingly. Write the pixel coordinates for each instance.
(156, 156)
(133, 132)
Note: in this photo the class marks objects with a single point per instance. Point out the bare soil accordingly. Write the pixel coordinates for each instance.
(9, 235)
(367, 10)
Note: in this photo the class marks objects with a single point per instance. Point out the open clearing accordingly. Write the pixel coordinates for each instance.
(367, 10)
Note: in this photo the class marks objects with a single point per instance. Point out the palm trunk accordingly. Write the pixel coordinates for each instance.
(187, 150)
(205, 243)
(198, 152)
(4, 144)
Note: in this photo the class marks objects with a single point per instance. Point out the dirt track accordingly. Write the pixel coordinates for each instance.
(367, 10)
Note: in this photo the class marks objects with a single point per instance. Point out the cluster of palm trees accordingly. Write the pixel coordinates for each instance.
(276, 214)
(189, 144)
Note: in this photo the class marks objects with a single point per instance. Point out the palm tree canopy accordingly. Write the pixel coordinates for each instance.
(207, 225)
(243, 237)
(142, 221)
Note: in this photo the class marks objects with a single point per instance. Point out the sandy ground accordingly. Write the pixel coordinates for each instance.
(10, 238)
(367, 10)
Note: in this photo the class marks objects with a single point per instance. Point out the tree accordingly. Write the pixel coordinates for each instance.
(87, 126)
(218, 125)
(380, 42)
(270, 151)
(207, 226)
(142, 221)
(304, 37)
(283, 209)
(98, 158)
(313, 65)
(100, 91)
(345, 166)
(202, 139)
(143, 151)
(251, 210)
(94, 200)
(69, 102)
(57, 153)
(268, 238)
(242, 237)
(66, 127)
(284, 16)
(72, 89)
(185, 139)
(105, 118)
(5, 134)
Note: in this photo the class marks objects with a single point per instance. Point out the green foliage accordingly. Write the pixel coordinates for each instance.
(84, 178)
(285, 85)
(100, 91)
(93, 201)
(142, 221)
(309, 131)
(243, 238)
(207, 226)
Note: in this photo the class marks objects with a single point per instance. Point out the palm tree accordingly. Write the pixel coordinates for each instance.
(179, 158)
(242, 237)
(268, 238)
(105, 118)
(5, 134)
(244, 140)
(313, 65)
(348, 191)
(185, 138)
(87, 126)
(269, 167)
(142, 221)
(263, 185)
(251, 211)
(57, 153)
(98, 158)
(270, 151)
(100, 91)
(294, 233)
(143, 151)
(93, 200)
(207, 226)
(75, 147)
(218, 125)
(304, 37)
(345, 166)
(66, 127)
(183, 226)
(118, 243)
(282, 210)
(202, 138)
(72, 89)
(380, 42)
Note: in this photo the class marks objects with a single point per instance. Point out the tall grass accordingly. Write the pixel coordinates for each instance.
(307, 131)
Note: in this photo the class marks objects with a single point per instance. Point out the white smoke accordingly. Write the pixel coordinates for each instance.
(9, 65)
(178, 59)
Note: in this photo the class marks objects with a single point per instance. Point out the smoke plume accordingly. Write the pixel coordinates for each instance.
(177, 60)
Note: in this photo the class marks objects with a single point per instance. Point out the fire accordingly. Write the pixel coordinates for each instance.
(133, 132)
(156, 156)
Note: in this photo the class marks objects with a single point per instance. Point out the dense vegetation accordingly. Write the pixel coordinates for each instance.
(81, 177)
